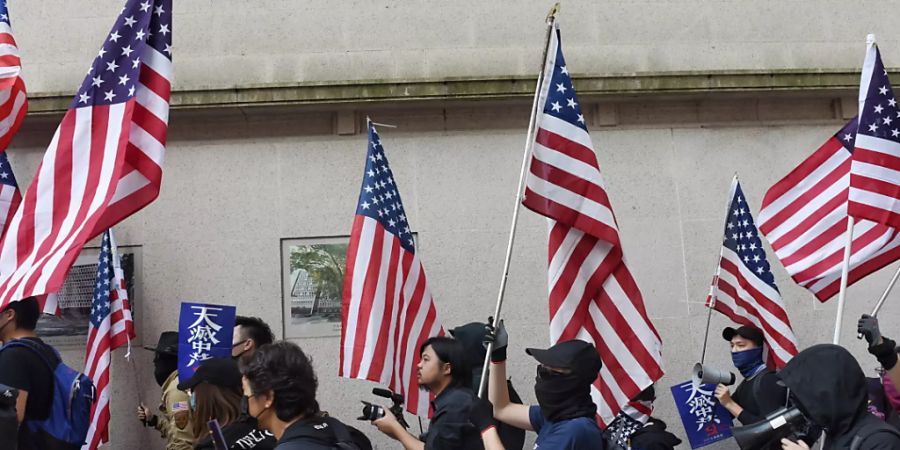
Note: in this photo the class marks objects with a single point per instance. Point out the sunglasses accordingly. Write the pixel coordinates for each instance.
(545, 372)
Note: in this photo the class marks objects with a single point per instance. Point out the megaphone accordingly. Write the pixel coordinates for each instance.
(773, 428)
(712, 375)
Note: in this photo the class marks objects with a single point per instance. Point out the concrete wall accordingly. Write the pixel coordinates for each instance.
(237, 182)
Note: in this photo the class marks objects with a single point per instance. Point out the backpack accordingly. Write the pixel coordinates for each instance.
(345, 438)
(9, 423)
(70, 407)
(870, 428)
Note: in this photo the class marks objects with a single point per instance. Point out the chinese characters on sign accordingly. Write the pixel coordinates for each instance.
(204, 332)
(705, 420)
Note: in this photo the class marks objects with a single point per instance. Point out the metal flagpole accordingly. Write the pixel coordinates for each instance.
(845, 269)
(884, 296)
(714, 289)
(529, 144)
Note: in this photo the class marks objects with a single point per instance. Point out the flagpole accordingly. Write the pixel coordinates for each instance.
(845, 269)
(887, 291)
(529, 145)
(714, 289)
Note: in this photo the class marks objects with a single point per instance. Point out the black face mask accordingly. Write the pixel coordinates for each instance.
(162, 368)
(563, 396)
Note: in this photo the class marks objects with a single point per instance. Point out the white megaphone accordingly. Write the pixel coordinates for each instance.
(711, 375)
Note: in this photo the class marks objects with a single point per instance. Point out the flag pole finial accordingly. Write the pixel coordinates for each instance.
(870, 39)
(553, 12)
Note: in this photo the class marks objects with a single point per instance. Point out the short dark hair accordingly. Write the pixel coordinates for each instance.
(27, 312)
(284, 369)
(450, 351)
(254, 328)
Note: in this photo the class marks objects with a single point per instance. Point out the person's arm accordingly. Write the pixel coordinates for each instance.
(391, 427)
(491, 439)
(723, 394)
(884, 349)
(504, 411)
(787, 444)
(21, 401)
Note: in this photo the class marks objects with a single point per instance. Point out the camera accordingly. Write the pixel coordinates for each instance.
(372, 412)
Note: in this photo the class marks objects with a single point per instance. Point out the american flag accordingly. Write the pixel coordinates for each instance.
(90, 178)
(593, 296)
(744, 288)
(111, 327)
(10, 197)
(804, 217)
(13, 101)
(875, 167)
(388, 311)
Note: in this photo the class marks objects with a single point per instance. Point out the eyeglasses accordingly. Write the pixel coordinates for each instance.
(545, 372)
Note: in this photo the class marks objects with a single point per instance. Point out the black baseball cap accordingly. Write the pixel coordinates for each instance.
(222, 372)
(746, 332)
(167, 345)
(576, 355)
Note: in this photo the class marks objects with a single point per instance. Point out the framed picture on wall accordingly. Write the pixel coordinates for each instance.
(312, 285)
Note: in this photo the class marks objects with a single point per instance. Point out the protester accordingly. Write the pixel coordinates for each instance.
(216, 393)
(471, 336)
(759, 393)
(881, 347)
(828, 386)
(565, 415)
(279, 385)
(250, 333)
(482, 416)
(25, 369)
(635, 427)
(174, 423)
(442, 369)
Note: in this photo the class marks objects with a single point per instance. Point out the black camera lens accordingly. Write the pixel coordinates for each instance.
(372, 412)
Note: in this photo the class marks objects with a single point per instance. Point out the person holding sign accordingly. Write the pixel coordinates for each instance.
(759, 394)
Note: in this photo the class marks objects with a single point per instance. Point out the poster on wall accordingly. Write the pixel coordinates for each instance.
(312, 285)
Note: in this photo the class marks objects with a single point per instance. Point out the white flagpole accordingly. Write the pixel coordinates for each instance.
(529, 144)
(865, 79)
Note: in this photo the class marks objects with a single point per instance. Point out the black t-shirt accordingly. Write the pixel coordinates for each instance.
(760, 395)
(450, 428)
(23, 369)
(241, 435)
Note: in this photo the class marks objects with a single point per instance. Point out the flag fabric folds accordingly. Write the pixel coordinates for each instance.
(744, 288)
(593, 295)
(10, 197)
(13, 100)
(112, 134)
(875, 167)
(111, 326)
(387, 310)
(804, 217)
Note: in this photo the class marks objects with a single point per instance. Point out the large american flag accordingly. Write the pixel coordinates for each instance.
(103, 163)
(13, 101)
(875, 168)
(744, 288)
(388, 311)
(111, 327)
(804, 217)
(593, 296)
(10, 197)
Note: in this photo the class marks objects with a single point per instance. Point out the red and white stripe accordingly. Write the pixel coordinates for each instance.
(804, 217)
(593, 295)
(10, 196)
(13, 99)
(116, 330)
(388, 312)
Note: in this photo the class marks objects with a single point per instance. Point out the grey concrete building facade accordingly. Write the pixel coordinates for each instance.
(265, 146)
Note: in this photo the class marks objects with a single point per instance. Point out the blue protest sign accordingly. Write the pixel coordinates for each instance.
(204, 332)
(705, 420)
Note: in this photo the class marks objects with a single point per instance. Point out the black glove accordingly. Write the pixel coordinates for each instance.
(868, 327)
(482, 414)
(499, 337)
(885, 352)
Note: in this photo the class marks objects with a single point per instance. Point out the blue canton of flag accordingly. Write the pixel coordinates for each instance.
(379, 198)
(880, 115)
(561, 99)
(6, 173)
(847, 135)
(100, 304)
(4, 13)
(115, 70)
(742, 237)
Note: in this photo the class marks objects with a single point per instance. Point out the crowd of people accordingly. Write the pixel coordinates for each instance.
(264, 397)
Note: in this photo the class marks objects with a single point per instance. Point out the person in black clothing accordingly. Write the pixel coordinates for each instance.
(280, 393)
(216, 394)
(25, 370)
(635, 429)
(829, 387)
(759, 394)
(443, 371)
(471, 336)
(250, 333)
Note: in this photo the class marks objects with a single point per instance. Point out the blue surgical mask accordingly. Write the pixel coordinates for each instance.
(748, 362)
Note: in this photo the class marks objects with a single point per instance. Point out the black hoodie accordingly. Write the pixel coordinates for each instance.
(829, 387)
